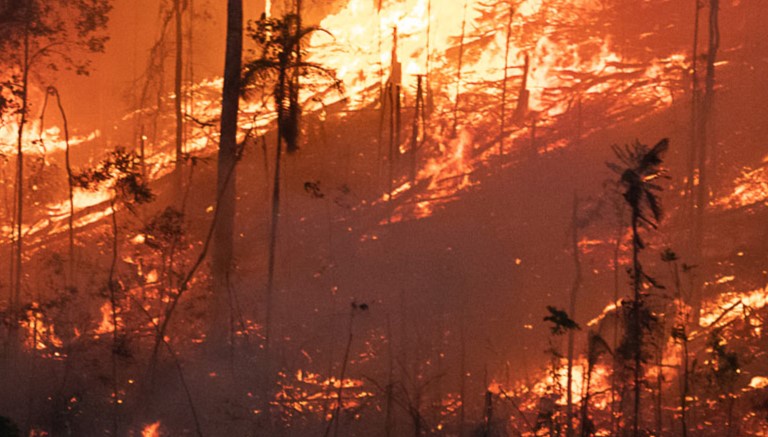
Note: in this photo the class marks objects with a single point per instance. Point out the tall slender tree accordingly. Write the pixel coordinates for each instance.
(225, 183)
(640, 167)
(38, 39)
(279, 63)
(178, 12)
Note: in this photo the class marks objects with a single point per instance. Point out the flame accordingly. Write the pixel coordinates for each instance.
(151, 430)
(52, 139)
(723, 308)
(758, 382)
(750, 188)
(106, 326)
(309, 392)
(427, 40)
(40, 333)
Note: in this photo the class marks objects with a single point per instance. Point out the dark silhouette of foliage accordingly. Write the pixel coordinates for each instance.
(639, 166)
(561, 322)
(123, 169)
(165, 230)
(725, 364)
(278, 63)
(56, 35)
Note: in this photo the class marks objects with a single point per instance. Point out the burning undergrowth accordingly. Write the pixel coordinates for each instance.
(448, 103)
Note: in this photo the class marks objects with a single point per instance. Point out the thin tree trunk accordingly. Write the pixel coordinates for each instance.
(693, 151)
(705, 144)
(227, 157)
(390, 382)
(111, 283)
(279, 99)
(273, 241)
(463, 376)
(488, 419)
(70, 186)
(585, 402)
(615, 340)
(342, 374)
(503, 122)
(660, 383)
(17, 270)
(460, 66)
(636, 309)
(178, 103)
(574, 296)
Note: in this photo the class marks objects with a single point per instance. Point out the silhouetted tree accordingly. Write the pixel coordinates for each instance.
(38, 37)
(279, 65)
(639, 167)
(225, 183)
(120, 172)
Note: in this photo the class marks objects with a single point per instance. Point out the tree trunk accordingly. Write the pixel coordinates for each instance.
(705, 142)
(574, 295)
(280, 95)
(636, 309)
(111, 286)
(503, 122)
(615, 340)
(458, 71)
(16, 272)
(177, 10)
(693, 151)
(228, 151)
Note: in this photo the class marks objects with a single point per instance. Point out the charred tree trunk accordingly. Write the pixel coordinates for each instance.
(70, 186)
(111, 286)
(417, 134)
(178, 14)
(388, 420)
(522, 99)
(585, 429)
(637, 326)
(342, 374)
(503, 122)
(615, 339)
(705, 143)
(574, 296)
(459, 69)
(693, 150)
(16, 270)
(463, 375)
(275, 217)
(488, 415)
(227, 158)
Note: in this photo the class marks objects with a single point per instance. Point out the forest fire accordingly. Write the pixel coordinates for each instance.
(396, 217)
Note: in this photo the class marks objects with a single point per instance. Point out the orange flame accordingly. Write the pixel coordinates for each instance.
(151, 430)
